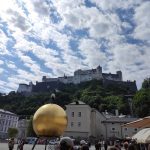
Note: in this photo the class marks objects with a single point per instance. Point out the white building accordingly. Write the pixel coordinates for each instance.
(113, 127)
(7, 120)
(84, 121)
(22, 128)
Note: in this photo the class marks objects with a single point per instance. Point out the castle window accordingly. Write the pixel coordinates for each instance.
(79, 124)
(79, 114)
(113, 129)
(72, 114)
(72, 124)
(125, 129)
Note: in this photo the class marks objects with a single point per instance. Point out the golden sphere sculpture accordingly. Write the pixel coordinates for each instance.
(50, 120)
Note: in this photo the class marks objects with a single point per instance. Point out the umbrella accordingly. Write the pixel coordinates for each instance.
(140, 123)
(143, 136)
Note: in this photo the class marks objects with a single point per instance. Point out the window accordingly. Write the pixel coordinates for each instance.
(79, 124)
(113, 129)
(135, 129)
(72, 114)
(71, 124)
(79, 114)
(125, 129)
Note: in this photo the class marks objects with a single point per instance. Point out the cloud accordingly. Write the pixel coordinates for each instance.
(41, 7)
(3, 42)
(1, 71)
(90, 49)
(11, 65)
(17, 20)
(36, 38)
(141, 18)
(1, 62)
(115, 4)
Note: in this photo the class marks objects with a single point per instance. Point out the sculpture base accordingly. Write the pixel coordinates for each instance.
(47, 140)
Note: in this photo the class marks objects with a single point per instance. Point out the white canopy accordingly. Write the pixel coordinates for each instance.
(143, 136)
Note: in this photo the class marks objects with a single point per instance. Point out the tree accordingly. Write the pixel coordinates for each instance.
(146, 83)
(12, 132)
(30, 131)
(141, 103)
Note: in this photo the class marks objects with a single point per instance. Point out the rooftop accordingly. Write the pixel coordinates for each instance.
(6, 112)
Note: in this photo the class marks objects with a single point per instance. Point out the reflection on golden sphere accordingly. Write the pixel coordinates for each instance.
(50, 120)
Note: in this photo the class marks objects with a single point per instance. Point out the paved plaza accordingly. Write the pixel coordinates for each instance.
(4, 146)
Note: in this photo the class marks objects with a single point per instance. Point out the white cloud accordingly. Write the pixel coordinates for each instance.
(11, 65)
(3, 42)
(114, 4)
(90, 49)
(142, 17)
(1, 62)
(41, 7)
(1, 70)
(33, 19)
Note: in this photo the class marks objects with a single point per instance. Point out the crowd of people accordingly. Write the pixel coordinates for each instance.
(11, 143)
(66, 143)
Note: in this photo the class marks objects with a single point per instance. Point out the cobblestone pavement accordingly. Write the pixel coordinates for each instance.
(4, 146)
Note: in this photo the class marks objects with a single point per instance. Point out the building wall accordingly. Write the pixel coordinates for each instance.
(7, 120)
(22, 128)
(99, 127)
(116, 130)
(24, 88)
(78, 119)
(83, 75)
(96, 124)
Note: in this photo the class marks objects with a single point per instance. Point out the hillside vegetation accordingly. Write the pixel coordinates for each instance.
(92, 93)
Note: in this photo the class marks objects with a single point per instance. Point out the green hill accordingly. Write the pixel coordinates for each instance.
(93, 92)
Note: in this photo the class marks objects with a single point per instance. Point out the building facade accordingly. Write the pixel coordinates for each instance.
(22, 128)
(86, 75)
(84, 121)
(78, 77)
(114, 129)
(7, 120)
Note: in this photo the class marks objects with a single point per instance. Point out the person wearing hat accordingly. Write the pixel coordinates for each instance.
(83, 145)
(11, 143)
(66, 143)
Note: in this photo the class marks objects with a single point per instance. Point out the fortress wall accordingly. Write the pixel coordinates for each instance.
(24, 88)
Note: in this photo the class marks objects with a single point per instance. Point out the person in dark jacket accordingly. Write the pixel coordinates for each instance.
(11, 143)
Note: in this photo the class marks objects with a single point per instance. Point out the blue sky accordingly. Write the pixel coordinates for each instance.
(56, 37)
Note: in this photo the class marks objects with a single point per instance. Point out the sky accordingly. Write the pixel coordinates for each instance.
(56, 37)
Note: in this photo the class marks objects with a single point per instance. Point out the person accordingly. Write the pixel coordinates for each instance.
(11, 144)
(125, 145)
(97, 145)
(82, 142)
(132, 145)
(105, 145)
(21, 144)
(84, 147)
(66, 143)
(89, 144)
(112, 148)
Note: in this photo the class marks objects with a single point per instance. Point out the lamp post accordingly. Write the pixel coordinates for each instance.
(130, 105)
(49, 121)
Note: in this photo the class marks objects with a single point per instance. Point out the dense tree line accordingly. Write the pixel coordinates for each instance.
(93, 93)
(141, 101)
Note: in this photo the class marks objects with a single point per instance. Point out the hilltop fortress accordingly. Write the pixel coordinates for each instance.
(79, 76)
